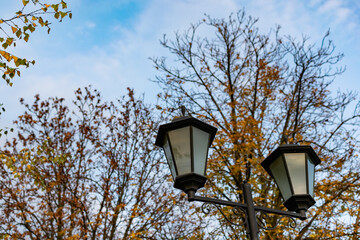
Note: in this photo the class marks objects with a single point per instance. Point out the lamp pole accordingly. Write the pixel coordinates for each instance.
(252, 228)
(186, 142)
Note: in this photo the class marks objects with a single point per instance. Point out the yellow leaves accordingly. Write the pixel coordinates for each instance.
(6, 55)
(26, 38)
(8, 42)
(21, 25)
(63, 14)
(25, 2)
(55, 7)
(63, 4)
(75, 237)
(17, 62)
(14, 29)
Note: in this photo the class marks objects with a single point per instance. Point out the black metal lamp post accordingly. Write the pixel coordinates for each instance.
(186, 142)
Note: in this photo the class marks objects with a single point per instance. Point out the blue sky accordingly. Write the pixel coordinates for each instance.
(107, 43)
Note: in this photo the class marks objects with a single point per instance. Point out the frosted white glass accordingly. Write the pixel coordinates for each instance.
(180, 143)
(311, 176)
(297, 171)
(200, 148)
(278, 170)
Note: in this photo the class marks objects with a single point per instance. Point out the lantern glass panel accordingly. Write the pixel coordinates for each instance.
(311, 175)
(201, 145)
(278, 170)
(169, 157)
(297, 171)
(180, 143)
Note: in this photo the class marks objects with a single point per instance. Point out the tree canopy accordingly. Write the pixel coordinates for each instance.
(88, 172)
(262, 90)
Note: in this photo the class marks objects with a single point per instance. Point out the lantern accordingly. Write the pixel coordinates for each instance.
(293, 168)
(186, 142)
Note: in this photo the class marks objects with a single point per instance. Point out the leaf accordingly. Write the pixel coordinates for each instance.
(15, 59)
(55, 7)
(64, 5)
(14, 29)
(25, 2)
(18, 33)
(26, 38)
(9, 41)
(6, 55)
(63, 14)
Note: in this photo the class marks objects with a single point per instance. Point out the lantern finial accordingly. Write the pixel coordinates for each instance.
(183, 110)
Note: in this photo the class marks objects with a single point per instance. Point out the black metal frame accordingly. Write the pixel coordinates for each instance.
(251, 221)
(296, 201)
(191, 180)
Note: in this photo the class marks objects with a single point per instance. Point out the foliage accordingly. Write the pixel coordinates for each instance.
(33, 13)
(262, 90)
(90, 173)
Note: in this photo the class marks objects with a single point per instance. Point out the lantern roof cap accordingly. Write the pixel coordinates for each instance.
(183, 122)
(290, 148)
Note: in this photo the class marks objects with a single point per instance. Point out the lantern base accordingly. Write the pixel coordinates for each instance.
(299, 202)
(190, 181)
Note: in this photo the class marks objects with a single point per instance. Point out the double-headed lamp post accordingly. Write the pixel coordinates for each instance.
(186, 142)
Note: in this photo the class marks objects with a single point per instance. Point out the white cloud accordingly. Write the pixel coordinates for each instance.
(330, 5)
(90, 25)
(124, 61)
(338, 11)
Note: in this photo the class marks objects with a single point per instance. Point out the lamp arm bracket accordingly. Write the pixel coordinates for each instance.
(217, 201)
(301, 215)
(262, 220)
(236, 211)
(261, 212)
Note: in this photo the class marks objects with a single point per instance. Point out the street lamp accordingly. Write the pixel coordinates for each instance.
(186, 141)
(293, 168)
